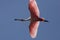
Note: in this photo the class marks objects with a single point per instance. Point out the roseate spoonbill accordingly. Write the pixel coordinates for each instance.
(34, 19)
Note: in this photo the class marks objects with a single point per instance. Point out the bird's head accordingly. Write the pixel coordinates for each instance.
(44, 20)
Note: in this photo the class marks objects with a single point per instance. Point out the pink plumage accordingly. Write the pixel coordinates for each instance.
(34, 11)
(34, 18)
(33, 28)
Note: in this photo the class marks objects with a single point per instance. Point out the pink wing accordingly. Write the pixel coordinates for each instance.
(34, 10)
(33, 28)
(34, 15)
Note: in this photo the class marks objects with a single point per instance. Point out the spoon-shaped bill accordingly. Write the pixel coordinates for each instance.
(33, 28)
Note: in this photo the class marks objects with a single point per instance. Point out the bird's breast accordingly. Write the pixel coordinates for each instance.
(34, 19)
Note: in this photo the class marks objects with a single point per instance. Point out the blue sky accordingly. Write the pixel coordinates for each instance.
(12, 30)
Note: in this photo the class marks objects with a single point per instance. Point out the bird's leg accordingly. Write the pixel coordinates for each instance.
(22, 19)
(19, 19)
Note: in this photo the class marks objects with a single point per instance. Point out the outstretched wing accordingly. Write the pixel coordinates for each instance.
(34, 11)
(33, 8)
(33, 28)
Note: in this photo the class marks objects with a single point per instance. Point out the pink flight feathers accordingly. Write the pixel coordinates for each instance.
(33, 28)
(34, 11)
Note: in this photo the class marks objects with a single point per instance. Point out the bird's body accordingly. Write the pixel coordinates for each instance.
(34, 18)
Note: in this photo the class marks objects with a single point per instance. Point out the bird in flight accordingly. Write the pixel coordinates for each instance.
(34, 18)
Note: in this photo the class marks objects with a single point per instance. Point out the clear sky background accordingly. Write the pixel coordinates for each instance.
(13, 30)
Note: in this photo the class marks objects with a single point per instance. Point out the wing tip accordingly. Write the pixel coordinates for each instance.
(33, 36)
